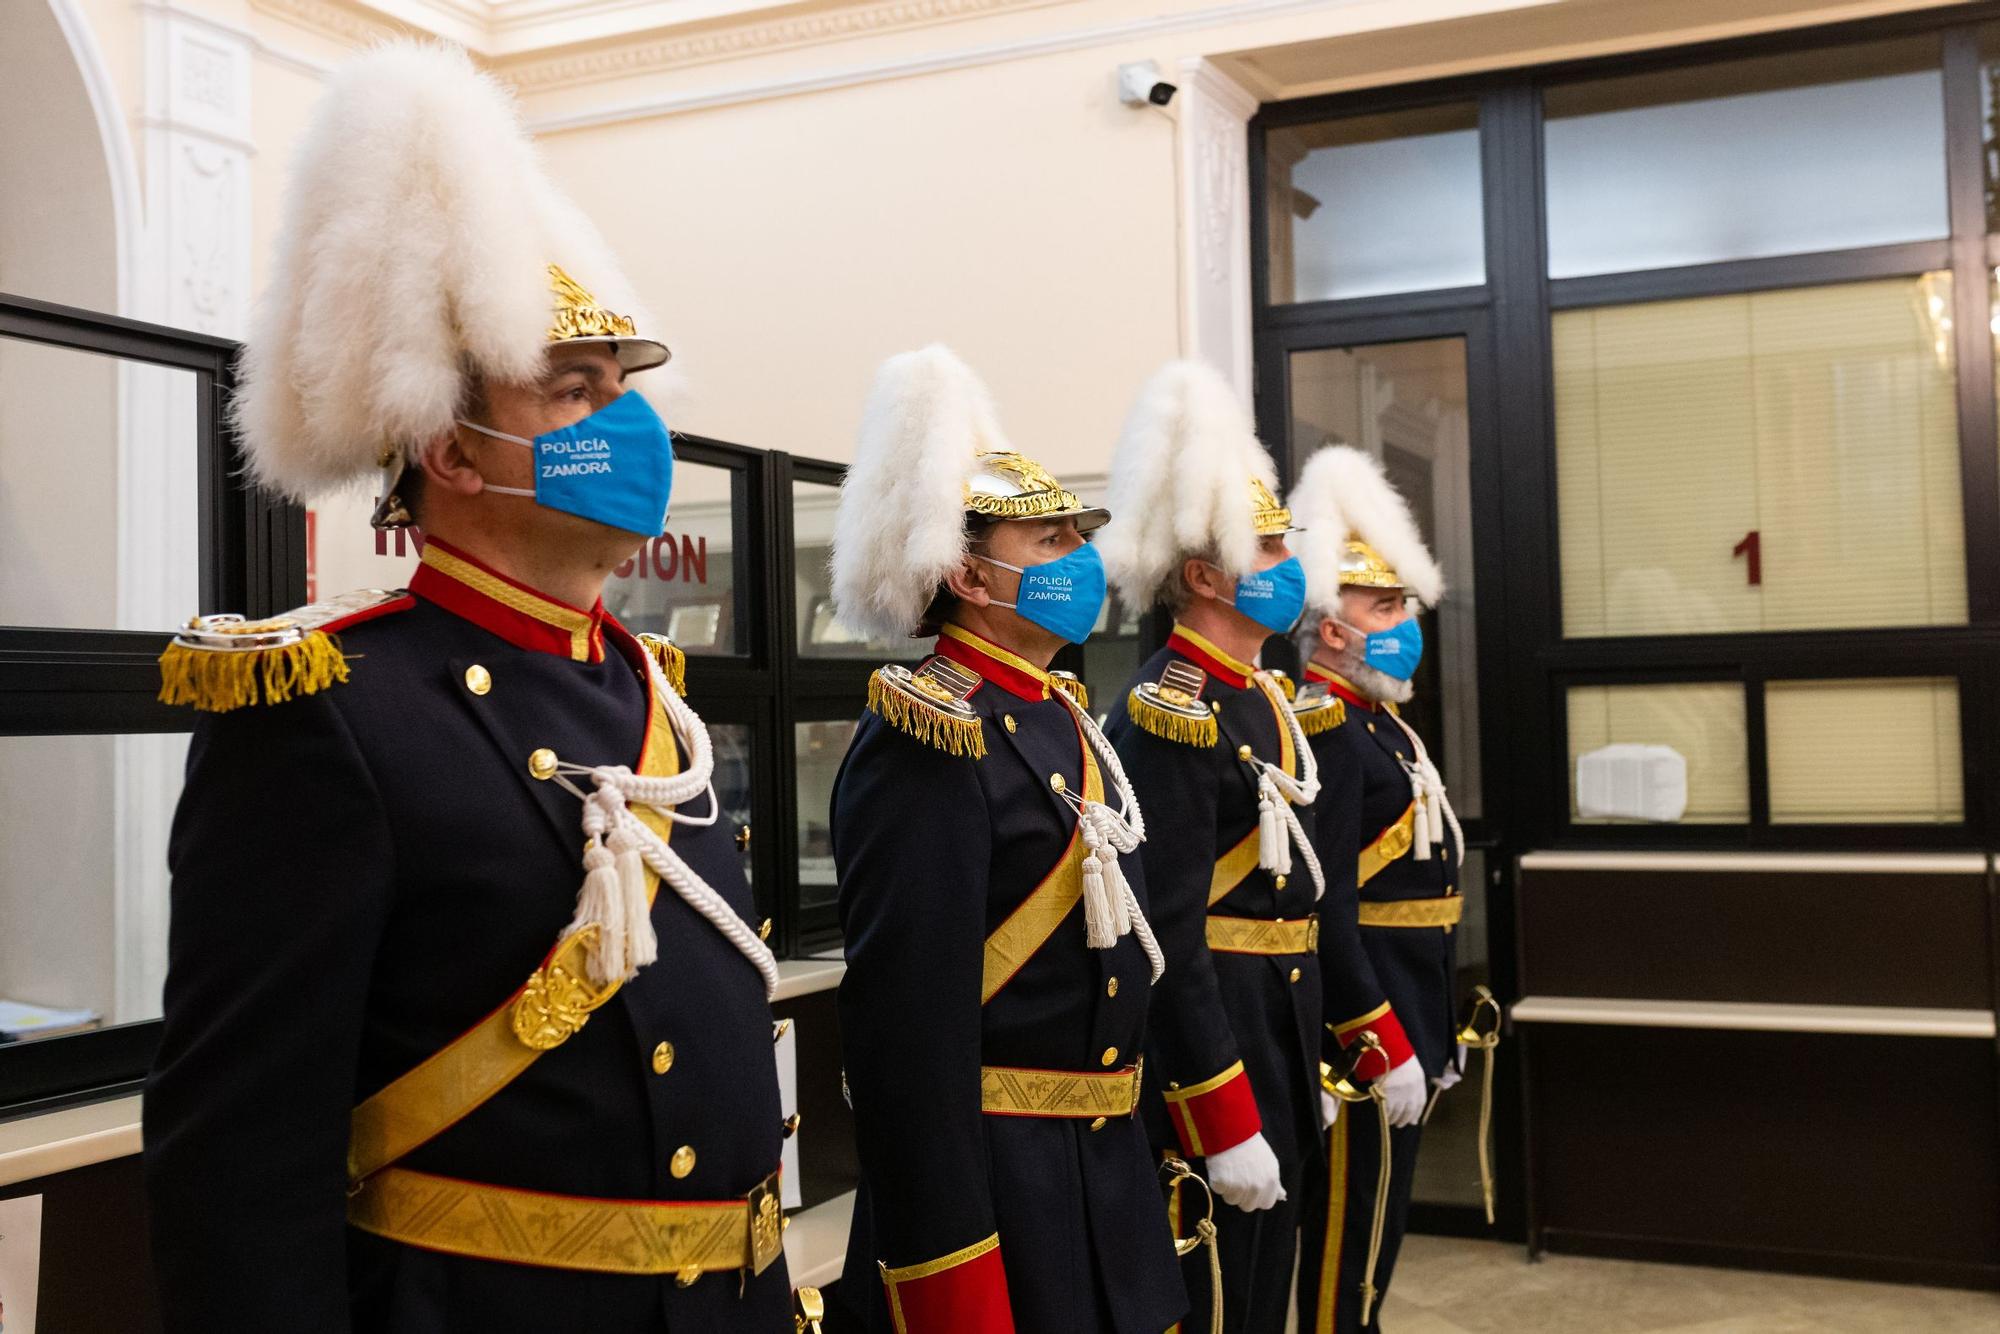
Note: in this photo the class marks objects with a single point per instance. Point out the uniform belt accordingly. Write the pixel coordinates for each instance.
(1414, 912)
(1254, 935)
(1083, 1094)
(1390, 844)
(526, 1227)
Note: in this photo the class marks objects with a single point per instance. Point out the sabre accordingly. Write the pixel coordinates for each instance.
(1340, 1084)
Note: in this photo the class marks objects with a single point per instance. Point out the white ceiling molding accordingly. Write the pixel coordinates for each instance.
(904, 67)
(757, 38)
(342, 23)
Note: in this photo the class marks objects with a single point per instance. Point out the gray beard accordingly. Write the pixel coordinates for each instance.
(1378, 686)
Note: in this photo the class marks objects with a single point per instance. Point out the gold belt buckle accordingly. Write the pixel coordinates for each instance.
(560, 996)
(767, 1224)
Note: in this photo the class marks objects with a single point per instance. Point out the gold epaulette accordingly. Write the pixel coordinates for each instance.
(1171, 707)
(1072, 685)
(224, 662)
(1318, 709)
(929, 704)
(672, 658)
(1285, 683)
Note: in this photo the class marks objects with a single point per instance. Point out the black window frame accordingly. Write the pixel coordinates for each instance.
(1524, 657)
(78, 682)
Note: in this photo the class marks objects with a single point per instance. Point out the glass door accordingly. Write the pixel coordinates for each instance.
(1407, 392)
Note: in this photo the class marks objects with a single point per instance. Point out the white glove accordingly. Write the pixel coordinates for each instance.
(1454, 1070)
(1246, 1176)
(1403, 1091)
(1329, 1110)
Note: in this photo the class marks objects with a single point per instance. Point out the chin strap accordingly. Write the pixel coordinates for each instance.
(620, 847)
(1278, 827)
(1110, 908)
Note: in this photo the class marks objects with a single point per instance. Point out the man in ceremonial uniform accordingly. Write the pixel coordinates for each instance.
(1210, 742)
(1391, 849)
(998, 959)
(413, 1078)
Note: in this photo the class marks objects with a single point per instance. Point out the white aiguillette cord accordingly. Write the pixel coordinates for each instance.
(613, 898)
(1278, 792)
(1434, 810)
(1110, 908)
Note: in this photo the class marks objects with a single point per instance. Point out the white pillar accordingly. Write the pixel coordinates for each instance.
(1215, 220)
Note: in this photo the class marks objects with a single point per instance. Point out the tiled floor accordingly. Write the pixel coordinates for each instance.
(1448, 1286)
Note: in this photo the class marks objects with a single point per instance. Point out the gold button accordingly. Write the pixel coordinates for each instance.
(1371, 727)
(1110, 1056)
(1056, 782)
(542, 764)
(1215, 706)
(1098, 1124)
(764, 929)
(683, 1161)
(1243, 752)
(663, 1058)
(1296, 974)
(1278, 880)
(743, 839)
(1399, 754)
(1007, 721)
(1111, 987)
(478, 680)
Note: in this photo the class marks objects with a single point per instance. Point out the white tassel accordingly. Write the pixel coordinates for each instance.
(1423, 823)
(642, 943)
(1274, 849)
(597, 904)
(1098, 931)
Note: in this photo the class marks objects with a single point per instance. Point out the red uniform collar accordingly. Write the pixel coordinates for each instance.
(510, 609)
(1339, 685)
(1230, 671)
(1010, 671)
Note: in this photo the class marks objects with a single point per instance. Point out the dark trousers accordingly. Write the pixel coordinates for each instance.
(1337, 1213)
(1256, 1249)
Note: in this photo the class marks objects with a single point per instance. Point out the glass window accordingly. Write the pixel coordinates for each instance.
(732, 782)
(98, 490)
(1777, 461)
(683, 584)
(1373, 204)
(820, 633)
(1819, 150)
(1658, 754)
(1405, 403)
(1448, 1168)
(85, 942)
(1864, 752)
(820, 747)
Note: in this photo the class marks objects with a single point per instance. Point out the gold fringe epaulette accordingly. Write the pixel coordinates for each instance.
(224, 662)
(929, 704)
(1190, 727)
(1285, 683)
(1072, 685)
(672, 658)
(1322, 717)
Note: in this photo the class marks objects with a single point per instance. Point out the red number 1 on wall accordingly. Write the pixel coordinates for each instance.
(1752, 546)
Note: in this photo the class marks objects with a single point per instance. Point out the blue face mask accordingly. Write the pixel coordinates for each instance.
(1395, 652)
(1063, 596)
(615, 467)
(1274, 598)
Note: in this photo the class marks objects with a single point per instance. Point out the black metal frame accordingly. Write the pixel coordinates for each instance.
(105, 682)
(1523, 657)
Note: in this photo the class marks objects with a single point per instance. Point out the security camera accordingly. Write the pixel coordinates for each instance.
(1139, 83)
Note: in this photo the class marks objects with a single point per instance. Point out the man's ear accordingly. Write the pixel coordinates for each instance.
(1201, 578)
(1329, 634)
(447, 463)
(968, 582)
